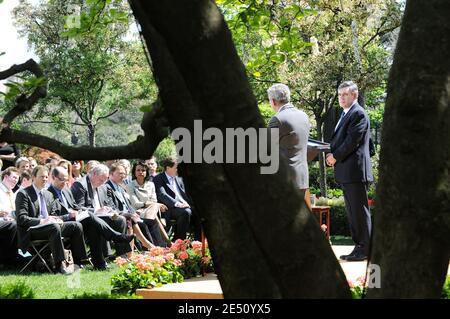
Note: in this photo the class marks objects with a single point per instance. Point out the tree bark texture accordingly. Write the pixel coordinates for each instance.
(264, 240)
(412, 222)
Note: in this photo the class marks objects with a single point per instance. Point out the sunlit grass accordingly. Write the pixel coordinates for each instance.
(58, 286)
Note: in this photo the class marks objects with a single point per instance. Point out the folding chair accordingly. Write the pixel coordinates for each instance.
(37, 248)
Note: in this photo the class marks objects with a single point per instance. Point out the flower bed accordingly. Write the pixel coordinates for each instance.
(183, 260)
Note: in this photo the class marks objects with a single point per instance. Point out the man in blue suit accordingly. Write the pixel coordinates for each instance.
(352, 168)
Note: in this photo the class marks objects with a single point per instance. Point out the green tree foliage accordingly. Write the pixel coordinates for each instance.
(94, 67)
(312, 46)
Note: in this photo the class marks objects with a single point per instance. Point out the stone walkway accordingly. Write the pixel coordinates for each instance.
(208, 287)
(353, 269)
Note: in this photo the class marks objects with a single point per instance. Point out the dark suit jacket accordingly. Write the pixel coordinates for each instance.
(83, 193)
(115, 201)
(71, 204)
(293, 127)
(166, 194)
(28, 210)
(350, 147)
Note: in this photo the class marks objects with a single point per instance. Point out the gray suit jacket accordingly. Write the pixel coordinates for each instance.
(293, 126)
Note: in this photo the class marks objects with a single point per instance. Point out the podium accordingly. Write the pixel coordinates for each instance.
(315, 147)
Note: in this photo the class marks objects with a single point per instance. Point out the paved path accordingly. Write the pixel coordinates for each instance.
(208, 287)
(353, 269)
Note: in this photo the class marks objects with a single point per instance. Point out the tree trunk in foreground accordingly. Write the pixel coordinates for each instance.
(412, 222)
(264, 240)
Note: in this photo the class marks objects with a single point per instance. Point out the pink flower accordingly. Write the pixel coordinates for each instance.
(156, 251)
(183, 255)
(144, 266)
(177, 262)
(206, 259)
(361, 280)
(157, 260)
(169, 256)
(196, 245)
(350, 283)
(121, 261)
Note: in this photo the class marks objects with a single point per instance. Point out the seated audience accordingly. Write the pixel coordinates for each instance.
(90, 192)
(37, 218)
(94, 227)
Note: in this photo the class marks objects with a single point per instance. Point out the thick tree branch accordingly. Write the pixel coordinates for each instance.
(137, 149)
(24, 103)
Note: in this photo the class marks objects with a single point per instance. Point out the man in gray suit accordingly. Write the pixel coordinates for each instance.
(293, 126)
(352, 168)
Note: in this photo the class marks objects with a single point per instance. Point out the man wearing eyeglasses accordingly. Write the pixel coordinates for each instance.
(90, 192)
(95, 229)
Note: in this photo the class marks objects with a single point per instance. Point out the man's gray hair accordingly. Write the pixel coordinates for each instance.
(349, 84)
(100, 169)
(280, 93)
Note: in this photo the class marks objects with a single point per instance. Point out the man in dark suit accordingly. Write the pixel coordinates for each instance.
(119, 200)
(37, 218)
(95, 229)
(352, 168)
(293, 127)
(171, 192)
(90, 192)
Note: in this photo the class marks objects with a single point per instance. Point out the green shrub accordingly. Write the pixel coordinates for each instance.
(104, 295)
(165, 149)
(17, 290)
(335, 193)
(446, 288)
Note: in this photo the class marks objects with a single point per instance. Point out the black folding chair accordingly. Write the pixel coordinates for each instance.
(37, 248)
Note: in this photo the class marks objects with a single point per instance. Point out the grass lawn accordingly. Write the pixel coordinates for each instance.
(58, 286)
(341, 240)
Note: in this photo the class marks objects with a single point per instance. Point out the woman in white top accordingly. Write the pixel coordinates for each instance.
(143, 198)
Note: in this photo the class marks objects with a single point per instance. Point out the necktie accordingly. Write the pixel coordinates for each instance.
(42, 206)
(340, 119)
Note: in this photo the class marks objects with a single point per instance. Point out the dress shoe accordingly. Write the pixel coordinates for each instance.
(356, 257)
(62, 269)
(101, 266)
(344, 257)
(124, 238)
